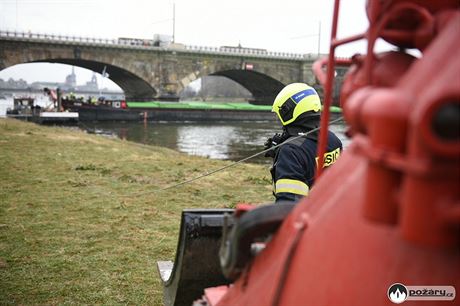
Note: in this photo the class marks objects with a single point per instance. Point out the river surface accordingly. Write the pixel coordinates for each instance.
(216, 140)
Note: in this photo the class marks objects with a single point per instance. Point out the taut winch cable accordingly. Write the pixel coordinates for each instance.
(233, 164)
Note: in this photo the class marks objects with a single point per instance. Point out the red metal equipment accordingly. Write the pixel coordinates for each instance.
(388, 211)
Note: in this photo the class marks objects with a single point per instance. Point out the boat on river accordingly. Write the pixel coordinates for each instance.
(100, 110)
(173, 111)
(24, 108)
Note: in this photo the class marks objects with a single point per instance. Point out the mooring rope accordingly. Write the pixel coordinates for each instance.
(231, 165)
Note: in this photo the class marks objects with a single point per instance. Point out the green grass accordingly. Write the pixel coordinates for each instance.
(77, 224)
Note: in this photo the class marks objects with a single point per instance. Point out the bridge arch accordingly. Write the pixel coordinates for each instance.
(262, 87)
(134, 87)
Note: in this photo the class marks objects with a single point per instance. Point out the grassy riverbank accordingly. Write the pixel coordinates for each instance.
(76, 225)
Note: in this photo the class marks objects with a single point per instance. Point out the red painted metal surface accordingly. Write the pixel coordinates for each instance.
(389, 210)
(213, 295)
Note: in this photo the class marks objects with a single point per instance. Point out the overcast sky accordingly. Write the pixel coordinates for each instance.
(288, 25)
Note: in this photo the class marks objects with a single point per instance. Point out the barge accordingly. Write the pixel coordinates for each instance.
(24, 108)
(175, 111)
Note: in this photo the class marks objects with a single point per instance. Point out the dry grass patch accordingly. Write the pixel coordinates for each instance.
(80, 222)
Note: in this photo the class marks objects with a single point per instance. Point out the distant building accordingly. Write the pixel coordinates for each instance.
(13, 84)
(89, 86)
(41, 85)
(71, 79)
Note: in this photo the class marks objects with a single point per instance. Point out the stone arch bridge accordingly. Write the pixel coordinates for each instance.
(145, 71)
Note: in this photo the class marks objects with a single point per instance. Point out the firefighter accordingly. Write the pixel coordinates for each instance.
(298, 107)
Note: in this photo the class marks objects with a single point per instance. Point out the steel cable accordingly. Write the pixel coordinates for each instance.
(233, 164)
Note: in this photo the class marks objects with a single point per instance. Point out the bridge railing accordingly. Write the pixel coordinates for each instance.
(149, 44)
(57, 37)
(249, 51)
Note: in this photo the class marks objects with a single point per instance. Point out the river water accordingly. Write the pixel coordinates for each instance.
(216, 140)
